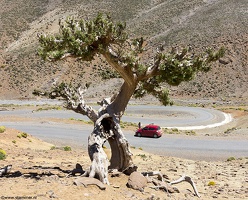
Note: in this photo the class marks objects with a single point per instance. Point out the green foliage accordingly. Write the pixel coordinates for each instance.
(108, 74)
(22, 135)
(143, 156)
(229, 130)
(85, 38)
(82, 38)
(174, 68)
(177, 131)
(49, 108)
(14, 141)
(230, 159)
(37, 92)
(58, 91)
(211, 183)
(191, 132)
(53, 148)
(2, 129)
(2, 154)
(67, 148)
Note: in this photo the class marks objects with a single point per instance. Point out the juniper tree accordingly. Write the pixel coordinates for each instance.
(85, 39)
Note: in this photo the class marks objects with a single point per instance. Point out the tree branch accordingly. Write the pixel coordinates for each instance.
(113, 59)
(75, 102)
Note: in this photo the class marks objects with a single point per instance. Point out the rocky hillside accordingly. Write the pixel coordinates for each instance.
(198, 23)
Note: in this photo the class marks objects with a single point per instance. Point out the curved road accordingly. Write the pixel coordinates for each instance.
(169, 145)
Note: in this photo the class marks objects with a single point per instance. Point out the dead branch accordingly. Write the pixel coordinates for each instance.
(5, 170)
(155, 173)
(75, 102)
(187, 179)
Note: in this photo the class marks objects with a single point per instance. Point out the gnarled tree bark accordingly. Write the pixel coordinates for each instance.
(106, 129)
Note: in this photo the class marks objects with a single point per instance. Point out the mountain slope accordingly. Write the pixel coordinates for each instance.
(198, 23)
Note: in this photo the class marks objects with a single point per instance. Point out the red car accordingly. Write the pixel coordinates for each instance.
(150, 130)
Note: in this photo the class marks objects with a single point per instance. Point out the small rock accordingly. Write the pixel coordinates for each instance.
(51, 194)
(85, 181)
(225, 60)
(137, 181)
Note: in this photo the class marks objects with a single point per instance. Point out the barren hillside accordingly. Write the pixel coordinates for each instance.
(198, 23)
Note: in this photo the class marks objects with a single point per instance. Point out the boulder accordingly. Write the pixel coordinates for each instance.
(137, 181)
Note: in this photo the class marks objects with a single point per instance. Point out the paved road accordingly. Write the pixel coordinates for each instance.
(168, 145)
(171, 145)
(170, 116)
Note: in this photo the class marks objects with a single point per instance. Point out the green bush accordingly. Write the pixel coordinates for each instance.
(2, 154)
(24, 135)
(67, 148)
(2, 129)
(211, 183)
(230, 159)
(52, 148)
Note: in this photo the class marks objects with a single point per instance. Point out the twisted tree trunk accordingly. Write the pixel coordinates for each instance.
(106, 129)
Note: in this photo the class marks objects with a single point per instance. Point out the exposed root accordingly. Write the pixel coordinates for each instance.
(5, 170)
(187, 179)
(162, 185)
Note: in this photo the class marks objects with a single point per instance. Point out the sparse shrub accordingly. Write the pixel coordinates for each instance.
(89, 122)
(2, 154)
(211, 183)
(143, 156)
(230, 159)
(67, 148)
(24, 135)
(130, 124)
(190, 132)
(13, 141)
(52, 148)
(49, 108)
(2, 129)
(229, 130)
(108, 74)
(37, 92)
(175, 130)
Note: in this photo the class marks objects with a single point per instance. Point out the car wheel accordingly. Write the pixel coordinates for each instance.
(139, 134)
(155, 135)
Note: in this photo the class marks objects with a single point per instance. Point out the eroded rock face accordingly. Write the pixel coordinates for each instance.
(137, 181)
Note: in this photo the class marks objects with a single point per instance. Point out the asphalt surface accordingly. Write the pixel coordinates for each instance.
(198, 148)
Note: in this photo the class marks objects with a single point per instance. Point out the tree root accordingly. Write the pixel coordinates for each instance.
(5, 170)
(187, 179)
(162, 185)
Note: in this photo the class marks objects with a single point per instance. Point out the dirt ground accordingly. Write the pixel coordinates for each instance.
(40, 171)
